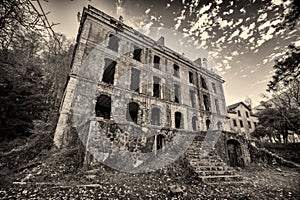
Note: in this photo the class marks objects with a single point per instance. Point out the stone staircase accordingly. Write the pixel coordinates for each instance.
(210, 168)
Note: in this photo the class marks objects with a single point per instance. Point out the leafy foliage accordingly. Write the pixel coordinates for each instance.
(287, 69)
(21, 97)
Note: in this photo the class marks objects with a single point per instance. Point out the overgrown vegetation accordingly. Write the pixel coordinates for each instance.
(34, 67)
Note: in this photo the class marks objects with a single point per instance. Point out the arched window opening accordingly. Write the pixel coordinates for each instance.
(178, 120)
(194, 123)
(207, 124)
(156, 87)
(113, 43)
(132, 112)
(103, 106)
(155, 116)
(109, 71)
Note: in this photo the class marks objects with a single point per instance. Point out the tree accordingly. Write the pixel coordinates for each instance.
(292, 17)
(261, 131)
(287, 70)
(21, 97)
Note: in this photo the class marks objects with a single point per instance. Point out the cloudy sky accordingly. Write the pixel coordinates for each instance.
(238, 36)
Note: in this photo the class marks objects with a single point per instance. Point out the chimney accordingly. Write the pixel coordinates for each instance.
(161, 41)
(198, 61)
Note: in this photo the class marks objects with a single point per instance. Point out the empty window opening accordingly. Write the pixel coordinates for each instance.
(192, 97)
(207, 122)
(176, 70)
(160, 140)
(214, 87)
(156, 87)
(241, 123)
(177, 93)
(249, 124)
(109, 71)
(156, 62)
(103, 106)
(132, 112)
(206, 102)
(239, 113)
(194, 123)
(137, 53)
(234, 122)
(113, 43)
(247, 114)
(203, 83)
(191, 77)
(178, 120)
(135, 80)
(217, 106)
(155, 116)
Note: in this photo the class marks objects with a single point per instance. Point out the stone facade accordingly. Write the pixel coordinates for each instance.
(123, 83)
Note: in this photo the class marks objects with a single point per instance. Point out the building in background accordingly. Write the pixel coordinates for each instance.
(241, 119)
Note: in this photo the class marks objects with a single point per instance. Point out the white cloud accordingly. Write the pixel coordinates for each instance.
(277, 2)
(262, 17)
(242, 10)
(147, 11)
(204, 8)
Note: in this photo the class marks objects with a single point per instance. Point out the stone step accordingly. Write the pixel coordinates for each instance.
(207, 163)
(228, 182)
(212, 173)
(209, 167)
(226, 178)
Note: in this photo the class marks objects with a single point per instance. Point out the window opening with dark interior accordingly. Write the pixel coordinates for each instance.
(132, 112)
(206, 103)
(137, 52)
(191, 77)
(203, 83)
(109, 71)
(156, 87)
(176, 93)
(176, 70)
(194, 123)
(103, 106)
(156, 62)
(178, 120)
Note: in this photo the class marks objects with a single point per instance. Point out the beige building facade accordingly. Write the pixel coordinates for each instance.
(241, 120)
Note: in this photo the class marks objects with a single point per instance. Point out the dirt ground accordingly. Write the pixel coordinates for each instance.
(259, 182)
